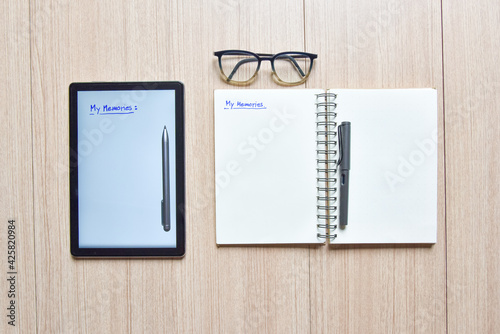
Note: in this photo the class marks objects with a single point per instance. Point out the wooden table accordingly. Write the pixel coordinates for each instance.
(452, 286)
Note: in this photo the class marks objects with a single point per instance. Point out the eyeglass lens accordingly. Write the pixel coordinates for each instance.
(239, 67)
(292, 67)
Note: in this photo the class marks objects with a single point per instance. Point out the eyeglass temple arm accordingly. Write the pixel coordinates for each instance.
(297, 67)
(238, 64)
(247, 60)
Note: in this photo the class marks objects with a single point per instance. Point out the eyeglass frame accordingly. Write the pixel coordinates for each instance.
(264, 57)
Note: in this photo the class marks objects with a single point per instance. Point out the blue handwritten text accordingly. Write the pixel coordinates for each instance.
(112, 110)
(244, 105)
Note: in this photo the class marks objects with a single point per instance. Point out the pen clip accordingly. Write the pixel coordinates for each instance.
(341, 145)
(344, 139)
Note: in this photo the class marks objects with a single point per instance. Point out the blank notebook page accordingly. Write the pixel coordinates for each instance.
(265, 165)
(393, 175)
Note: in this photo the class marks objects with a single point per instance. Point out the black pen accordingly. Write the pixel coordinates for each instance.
(344, 134)
(165, 202)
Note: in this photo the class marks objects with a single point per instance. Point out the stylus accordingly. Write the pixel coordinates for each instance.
(165, 203)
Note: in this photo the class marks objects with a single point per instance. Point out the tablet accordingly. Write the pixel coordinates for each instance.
(126, 157)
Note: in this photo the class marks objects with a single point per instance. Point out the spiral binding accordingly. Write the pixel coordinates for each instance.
(326, 132)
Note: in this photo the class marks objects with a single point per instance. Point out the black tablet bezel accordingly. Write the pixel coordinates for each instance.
(179, 250)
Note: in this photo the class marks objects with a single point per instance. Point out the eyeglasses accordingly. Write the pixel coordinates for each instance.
(240, 67)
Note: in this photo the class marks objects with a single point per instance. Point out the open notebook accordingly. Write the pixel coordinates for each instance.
(276, 171)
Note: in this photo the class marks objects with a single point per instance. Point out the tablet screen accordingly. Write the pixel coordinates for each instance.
(129, 169)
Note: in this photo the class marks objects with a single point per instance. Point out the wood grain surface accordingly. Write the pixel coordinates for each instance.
(452, 286)
(16, 157)
(471, 40)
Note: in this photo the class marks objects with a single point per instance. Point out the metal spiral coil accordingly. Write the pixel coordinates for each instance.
(326, 151)
(333, 96)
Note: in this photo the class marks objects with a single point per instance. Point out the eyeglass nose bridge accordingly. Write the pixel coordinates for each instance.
(267, 57)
